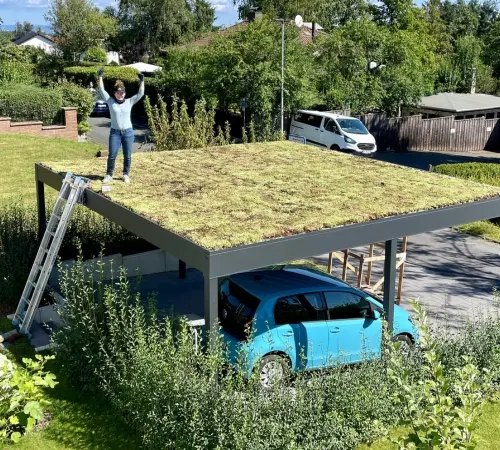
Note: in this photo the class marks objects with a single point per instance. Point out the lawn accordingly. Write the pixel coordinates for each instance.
(20, 152)
(488, 432)
(487, 173)
(277, 189)
(80, 420)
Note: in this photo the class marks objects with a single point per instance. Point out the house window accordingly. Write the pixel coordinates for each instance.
(470, 116)
(490, 115)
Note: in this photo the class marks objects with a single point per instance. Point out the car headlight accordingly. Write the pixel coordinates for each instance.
(349, 140)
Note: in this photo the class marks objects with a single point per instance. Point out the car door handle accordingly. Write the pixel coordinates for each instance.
(335, 330)
(288, 333)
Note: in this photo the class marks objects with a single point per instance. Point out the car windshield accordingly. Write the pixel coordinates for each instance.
(236, 309)
(353, 126)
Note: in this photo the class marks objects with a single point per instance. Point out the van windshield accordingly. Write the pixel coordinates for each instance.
(353, 126)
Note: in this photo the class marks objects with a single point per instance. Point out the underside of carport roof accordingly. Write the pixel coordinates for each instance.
(231, 209)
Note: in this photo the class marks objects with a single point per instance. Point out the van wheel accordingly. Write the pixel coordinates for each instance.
(273, 369)
(335, 147)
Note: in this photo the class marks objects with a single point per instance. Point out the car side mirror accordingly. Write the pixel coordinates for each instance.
(376, 314)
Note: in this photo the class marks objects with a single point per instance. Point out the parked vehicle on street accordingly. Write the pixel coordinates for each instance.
(333, 131)
(298, 318)
(100, 108)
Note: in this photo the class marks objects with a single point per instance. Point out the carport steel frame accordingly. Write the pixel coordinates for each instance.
(215, 264)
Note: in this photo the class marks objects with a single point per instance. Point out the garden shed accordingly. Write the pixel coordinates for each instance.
(226, 210)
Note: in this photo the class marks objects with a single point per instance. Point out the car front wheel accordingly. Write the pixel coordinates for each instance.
(273, 369)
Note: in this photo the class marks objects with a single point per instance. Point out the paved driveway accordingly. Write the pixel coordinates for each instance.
(452, 274)
(100, 133)
(422, 160)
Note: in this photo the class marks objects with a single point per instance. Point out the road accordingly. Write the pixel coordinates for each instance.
(100, 133)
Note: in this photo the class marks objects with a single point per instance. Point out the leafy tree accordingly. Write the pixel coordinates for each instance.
(310, 9)
(22, 29)
(336, 13)
(487, 13)
(247, 65)
(460, 18)
(437, 27)
(78, 25)
(148, 25)
(346, 82)
(492, 52)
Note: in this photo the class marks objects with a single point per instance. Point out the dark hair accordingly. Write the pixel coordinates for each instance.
(119, 85)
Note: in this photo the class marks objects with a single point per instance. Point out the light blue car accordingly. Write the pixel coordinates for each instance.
(298, 318)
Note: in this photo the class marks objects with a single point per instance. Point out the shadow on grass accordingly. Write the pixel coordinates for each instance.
(80, 420)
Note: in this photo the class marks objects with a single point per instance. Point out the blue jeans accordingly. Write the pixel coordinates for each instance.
(125, 138)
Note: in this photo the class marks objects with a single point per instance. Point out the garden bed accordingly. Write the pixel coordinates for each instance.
(278, 189)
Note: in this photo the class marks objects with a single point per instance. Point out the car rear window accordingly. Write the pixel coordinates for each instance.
(237, 309)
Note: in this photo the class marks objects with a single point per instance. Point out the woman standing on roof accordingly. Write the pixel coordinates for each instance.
(121, 132)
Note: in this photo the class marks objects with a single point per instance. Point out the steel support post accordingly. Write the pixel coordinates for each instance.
(211, 303)
(390, 280)
(42, 214)
(182, 269)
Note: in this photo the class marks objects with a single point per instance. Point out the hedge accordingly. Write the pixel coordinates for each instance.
(96, 55)
(74, 95)
(487, 173)
(16, 72)
(85, 75)
(25, 102)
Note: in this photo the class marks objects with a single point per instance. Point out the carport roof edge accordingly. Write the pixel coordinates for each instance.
(469, 206)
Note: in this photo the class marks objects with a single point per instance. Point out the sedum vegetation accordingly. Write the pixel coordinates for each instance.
(277, 189)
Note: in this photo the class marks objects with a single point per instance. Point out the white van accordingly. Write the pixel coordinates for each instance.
(333, 131)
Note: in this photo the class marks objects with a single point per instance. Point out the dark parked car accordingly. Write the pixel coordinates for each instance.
(100, 108)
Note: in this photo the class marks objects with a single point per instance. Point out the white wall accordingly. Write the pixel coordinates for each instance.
(112, 57)
(41, 42)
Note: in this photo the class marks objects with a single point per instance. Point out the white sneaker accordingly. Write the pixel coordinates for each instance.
(107, 179)
(126, 179)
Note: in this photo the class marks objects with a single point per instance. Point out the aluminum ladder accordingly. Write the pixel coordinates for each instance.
(69, 195)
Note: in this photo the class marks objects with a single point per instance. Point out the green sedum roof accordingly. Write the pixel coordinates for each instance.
(222, 197)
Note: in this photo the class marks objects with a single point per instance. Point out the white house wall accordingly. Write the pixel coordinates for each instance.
(42, 43)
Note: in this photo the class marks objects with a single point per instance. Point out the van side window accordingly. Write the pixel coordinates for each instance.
(331, 126)
(302, 118)
(314, 121)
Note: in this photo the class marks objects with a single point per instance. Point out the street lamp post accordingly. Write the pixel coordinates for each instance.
(282, 21)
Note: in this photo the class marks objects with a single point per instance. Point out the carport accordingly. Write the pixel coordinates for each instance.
(217, 251)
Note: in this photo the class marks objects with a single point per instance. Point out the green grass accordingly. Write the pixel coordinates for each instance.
(483, 229)
(228, 196)
(18, 155)
(487, 435)
(488, 173)
(80, 420)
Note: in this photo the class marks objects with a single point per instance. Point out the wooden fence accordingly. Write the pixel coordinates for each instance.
(439, 134)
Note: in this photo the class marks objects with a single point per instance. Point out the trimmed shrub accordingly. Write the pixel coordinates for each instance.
(74, 95)
(85, 75)
(16, 72)
(23, 103)
(96, 55)
(488, 173)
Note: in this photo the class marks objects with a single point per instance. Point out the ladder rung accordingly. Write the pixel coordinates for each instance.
(69, 196)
